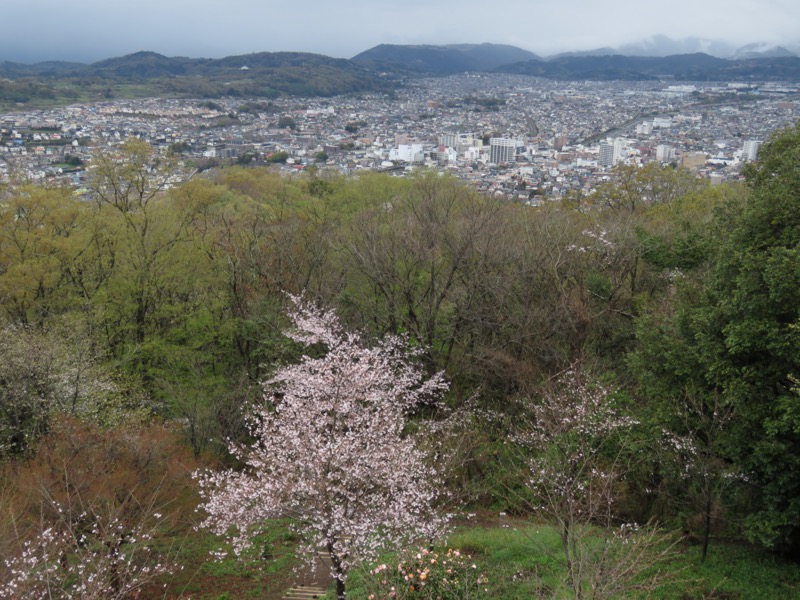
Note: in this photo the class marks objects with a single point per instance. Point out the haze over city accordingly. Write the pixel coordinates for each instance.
(37, 30)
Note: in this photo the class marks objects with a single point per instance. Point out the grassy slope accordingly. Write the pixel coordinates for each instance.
(265, 572)
(522, 562)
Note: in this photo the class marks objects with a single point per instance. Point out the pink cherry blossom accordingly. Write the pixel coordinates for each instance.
(331, 451)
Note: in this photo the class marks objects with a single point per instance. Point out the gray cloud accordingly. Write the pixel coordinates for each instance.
(87, 30)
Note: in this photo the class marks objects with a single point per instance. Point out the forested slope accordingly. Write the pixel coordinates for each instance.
(150, 311)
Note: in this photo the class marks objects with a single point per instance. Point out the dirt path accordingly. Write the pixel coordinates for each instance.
(311, 583)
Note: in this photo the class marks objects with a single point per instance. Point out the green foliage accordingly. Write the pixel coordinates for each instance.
(178, 147)
(23, 90)
(245, 158)
(354, 126)
(287, 122)
(490, 104)
(449, 574)
(734, 335)
(635, 188)
(277, 157)
(320, 188)
(258, 107)
(211, 571)
(72, 160)
(145, 74)
(521, 562)
(180, 292)
(732, 571)
(44, 374)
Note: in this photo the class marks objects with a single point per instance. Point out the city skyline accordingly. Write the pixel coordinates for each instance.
(94, 30)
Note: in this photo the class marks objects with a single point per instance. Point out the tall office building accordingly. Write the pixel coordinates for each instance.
(448, 140)
(606, 155)
(502, 150)
(620, 149)
(665, 153)
(750, 150)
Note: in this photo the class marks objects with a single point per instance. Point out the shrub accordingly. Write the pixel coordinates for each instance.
(423, 573)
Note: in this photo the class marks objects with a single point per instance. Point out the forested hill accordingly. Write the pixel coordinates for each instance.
(263, 74)
(425, 59)
(382, 68)
(599, 66)
(682, 67)
(442, 60)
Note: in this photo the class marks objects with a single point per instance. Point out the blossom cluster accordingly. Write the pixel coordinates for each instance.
(575, 436)
(423, 573)
(92, 559)
(332, 451)
(575, 408)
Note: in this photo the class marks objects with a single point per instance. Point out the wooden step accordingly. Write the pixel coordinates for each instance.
(305, 592)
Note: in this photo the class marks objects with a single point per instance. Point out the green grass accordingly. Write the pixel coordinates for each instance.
(265, 571)
(522, 563)
(734, 571)
(66, 92)
(526, 563)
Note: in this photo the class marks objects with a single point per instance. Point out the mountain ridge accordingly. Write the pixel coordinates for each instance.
(429, 58)
(684, 67)
(444, 59)
(379, 69)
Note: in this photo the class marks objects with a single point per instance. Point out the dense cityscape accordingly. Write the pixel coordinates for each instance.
(512, 136)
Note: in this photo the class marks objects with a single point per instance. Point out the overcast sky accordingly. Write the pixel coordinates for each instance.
(88, 30)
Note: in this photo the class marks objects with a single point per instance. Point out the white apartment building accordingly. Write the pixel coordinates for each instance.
(409, 153)
(502, 150)
(750, 150)
(606, 155)
(665, 153)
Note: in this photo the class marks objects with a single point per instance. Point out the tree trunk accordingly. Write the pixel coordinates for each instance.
(338, 570)
(707, 528)
(340, 592)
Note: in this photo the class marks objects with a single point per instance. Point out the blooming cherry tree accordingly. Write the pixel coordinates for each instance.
(580, 452)
(331, 450)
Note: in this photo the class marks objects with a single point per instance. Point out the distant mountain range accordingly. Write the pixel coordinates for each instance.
(661, 45)
(442, 60)
(682, 67)
(381, 68)
(754, 62)
(261, 74)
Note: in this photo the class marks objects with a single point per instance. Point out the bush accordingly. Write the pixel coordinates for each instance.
(424, 573)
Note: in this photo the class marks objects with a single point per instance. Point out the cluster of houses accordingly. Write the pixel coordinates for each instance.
(519, 137)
